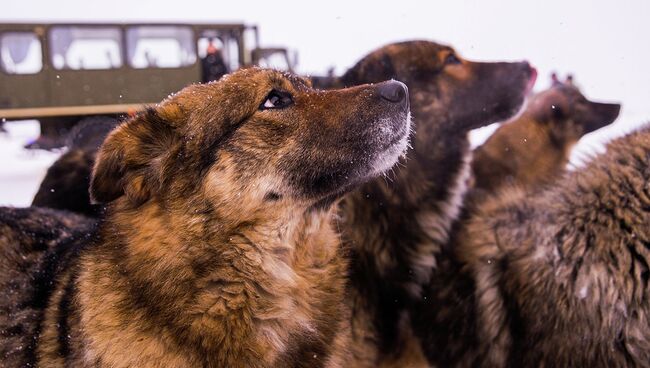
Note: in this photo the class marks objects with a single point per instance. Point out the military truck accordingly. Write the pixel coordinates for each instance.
(61, 73)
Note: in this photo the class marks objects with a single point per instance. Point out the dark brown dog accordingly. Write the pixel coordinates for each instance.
(31, 239)
(396, 226)
(217, 249)
(533, 148)
(66, 182)
(555, 279)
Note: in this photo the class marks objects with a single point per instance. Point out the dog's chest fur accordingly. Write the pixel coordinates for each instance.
(147, 295)
(396, 230)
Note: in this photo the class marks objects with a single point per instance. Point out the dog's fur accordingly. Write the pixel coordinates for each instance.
(67, 181)
(556, 279)
(394, 226)
(66, 184)
(524, 155)
(533, 149)
(33, 242)
(217, 247)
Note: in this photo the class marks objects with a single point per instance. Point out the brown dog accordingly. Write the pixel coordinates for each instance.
(533, 148)
(66, 182)
(217, 249)
(394, 227)
(555, 279)
(522, 155)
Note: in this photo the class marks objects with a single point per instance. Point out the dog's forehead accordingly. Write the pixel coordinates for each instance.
(550, 96)
(412, 54)
(566, 92)
(256, 73)
(421, 49)
(286, 80)
(271, 78)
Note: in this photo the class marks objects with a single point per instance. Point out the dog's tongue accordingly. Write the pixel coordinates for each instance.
(531, 80)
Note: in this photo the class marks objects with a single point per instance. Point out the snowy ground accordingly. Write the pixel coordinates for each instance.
(21, 170)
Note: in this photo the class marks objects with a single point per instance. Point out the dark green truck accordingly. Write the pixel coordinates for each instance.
(61, 73)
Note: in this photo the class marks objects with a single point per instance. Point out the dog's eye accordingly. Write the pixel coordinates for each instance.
(452, 59)
(276, 100)
(556, 111)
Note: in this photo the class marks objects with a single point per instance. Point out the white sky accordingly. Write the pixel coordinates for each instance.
(606, 44)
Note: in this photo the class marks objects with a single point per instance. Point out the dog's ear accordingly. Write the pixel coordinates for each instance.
(137, 157)
(569, 79)
(555, 81)
(371, 69)
(130, 160)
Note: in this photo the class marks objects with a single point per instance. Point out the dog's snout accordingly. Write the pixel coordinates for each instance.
(393, 91)
(608, 111)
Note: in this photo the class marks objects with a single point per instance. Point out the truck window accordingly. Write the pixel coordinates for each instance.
(204, 45)
(85, 48)
(160, 47)
(20, 53)
(233, 53)
(213, 58)
(227, 45)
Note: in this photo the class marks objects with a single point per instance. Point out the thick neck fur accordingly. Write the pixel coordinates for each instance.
(227, 293)
(395, 225)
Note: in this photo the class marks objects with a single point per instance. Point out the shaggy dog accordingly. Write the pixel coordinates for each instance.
(395, 226)
(66, 182)
(554, 279)
(533, 148)
(523, 155)
(217, 248)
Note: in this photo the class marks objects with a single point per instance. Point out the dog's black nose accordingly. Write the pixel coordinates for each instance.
(393, 91)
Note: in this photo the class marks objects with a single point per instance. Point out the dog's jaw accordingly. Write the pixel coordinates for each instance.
(391, 155)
